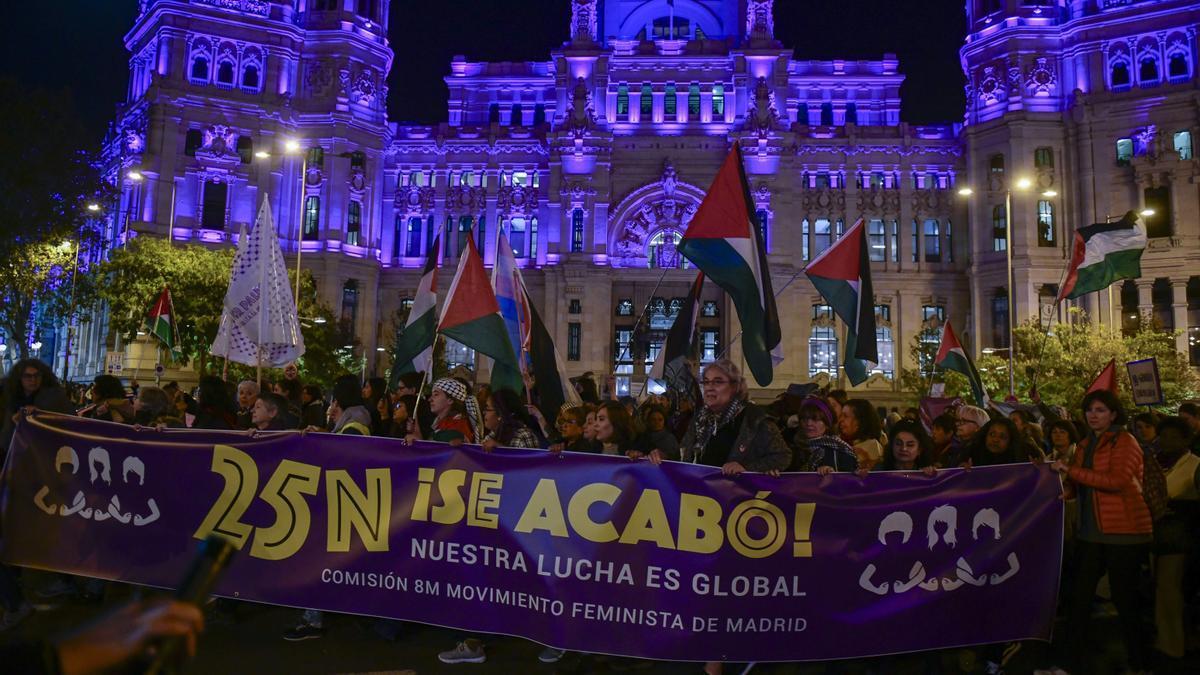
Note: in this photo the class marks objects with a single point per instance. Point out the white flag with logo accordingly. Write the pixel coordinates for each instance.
(259, 324)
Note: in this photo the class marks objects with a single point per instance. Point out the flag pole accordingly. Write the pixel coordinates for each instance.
(778, 293)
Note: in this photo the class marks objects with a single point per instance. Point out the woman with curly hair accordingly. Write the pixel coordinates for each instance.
(506, 422)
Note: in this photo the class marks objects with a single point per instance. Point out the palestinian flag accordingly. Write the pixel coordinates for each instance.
(724, 240)
(1104, 253)
(680, 338)
(472, 316)
(842, 275)
(952, 356)
(1106, 380)
(161, 322)
(413, 352)
(553, 389)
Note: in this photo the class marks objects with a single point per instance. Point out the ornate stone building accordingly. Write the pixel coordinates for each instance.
(595, 159)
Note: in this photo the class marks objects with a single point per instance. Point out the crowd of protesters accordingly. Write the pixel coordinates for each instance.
(1131, 485)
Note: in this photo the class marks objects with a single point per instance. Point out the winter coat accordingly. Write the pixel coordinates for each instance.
(1116, 482)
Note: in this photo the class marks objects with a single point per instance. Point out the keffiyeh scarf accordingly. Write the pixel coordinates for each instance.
(707, 423)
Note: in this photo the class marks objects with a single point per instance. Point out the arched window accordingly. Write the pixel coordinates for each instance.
(694, 102)
(999, 228)
(826, 114)
(933, 241)
(623, 101)
(1047, 230)
(216, 197)
(193, 142)
(354, 223)
(349, 317)
(312, 218)
(494, 113)
(412, 244)
(663, 251)
(646, 102)
(1000, 318)
(718, 102)
(1148, 70)
(764, 219)
(517, 115)
(245, 149)
(1119, 74)
(539, 114)
(851, 113)
(1177, 67)
(822, 343)
(1043, 158)
(822, 236)
(225, 73)
(671, 102)
(250, 77)
(316, 156)
(199, 71)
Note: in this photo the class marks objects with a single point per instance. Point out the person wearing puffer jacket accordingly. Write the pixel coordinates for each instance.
(1115, 528)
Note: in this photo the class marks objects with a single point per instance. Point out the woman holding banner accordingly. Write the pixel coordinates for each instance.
(1115, 527)
(730, 432)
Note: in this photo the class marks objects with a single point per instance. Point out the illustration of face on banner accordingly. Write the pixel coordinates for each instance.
(571, 551)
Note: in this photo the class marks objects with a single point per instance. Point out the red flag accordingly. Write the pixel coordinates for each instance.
(1106, 380)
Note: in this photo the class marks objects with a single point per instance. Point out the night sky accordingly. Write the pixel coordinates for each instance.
(77, 45)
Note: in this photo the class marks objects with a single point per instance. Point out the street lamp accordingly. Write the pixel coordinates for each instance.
(37, 348)
(293, 147)
(68, 245)
(1022, 184)
(93, 207)
(138, 177)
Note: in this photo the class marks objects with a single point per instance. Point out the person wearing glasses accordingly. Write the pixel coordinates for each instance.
(31, 384)
(570, 425)
(506, 423)
(729, 431)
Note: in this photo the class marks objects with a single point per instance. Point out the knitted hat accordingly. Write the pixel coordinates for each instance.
(822, 409)
(969, 413)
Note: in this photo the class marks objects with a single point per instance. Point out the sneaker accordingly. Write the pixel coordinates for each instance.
(303, 631)
(993, 668)
(551, 655)
(50, 595)
(15, 616)
(467, 651)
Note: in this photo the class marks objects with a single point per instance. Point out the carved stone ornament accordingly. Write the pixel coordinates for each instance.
(763, 114)
(463, 198)
(879, 200)
(220, 145)
(517, 199)
(363, 90)
(318, 77)
(991, 89)
(581, 111)
(344, 82)
(1041, 79)
(577, 193)
(413, 199)
(823, 201)
(583, 21)
(928, 202)
(760, 20)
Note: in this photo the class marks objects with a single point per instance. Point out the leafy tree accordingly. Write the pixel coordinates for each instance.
(918, 381)
(131, 280)
(48, 181)
(1064, 362)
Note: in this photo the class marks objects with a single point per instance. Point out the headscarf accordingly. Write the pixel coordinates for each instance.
(458, 391)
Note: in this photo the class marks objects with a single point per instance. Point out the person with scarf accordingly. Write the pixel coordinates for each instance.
(730, 432)
(860, 427)
(614, 428)
(214, 409)
(826, 452)
(507, 423)
(571, 425)
(1115, 528)
(451, 404)
(348, 411)
(109, 402)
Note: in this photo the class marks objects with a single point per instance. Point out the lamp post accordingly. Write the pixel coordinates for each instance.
(74, 246)
(1022, 184)
(293, 147)
(138, 177)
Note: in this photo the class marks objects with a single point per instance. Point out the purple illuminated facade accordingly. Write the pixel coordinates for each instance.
(595, 159)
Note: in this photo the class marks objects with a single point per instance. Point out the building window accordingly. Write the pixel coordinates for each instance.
(805, 233)
(349, 318)
(225, 73)
(533, 236)
(949, 241)
(663, 250)
(1177, 67)
(575, 306)
(623, 101)
(710, 345)
(481, 233)
(933, 241)
(574, 341)
(1131, 311)
(933, 315)
(1148, 71)
(996, 166)
(916, 241)
(822, 343)
(1162, 298)
(413, 242)
(458, 354)
(250, 77)
(216, 196)
(1047, 231)
(366, 9)
(895, 257)
(199, 72)
(354, 223)
(999, 228)
(539, 114)
(709, 309)
(886, 343)
(1183, 144)
(193, 142)
(517, 236)
(1124, 151)
(625, 307)
(694, 102)
(764, 221)
(517, 116)
(876, 240)
(671, 103)
(1043, 158)
(1193, 313)
(851, 113)
(1158, 199)
(1000, 319)
(827, 114)
(245, 149)
(316, 156)
(398, 237)
(718, 102)
(312, 218)
(358, 160)
(822, 236)
(494, 113)
(577, 231)
(406, 304)
(1118, 76)
(646, 102)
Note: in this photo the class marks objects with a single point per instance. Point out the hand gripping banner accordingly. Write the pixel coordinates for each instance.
(581, 552)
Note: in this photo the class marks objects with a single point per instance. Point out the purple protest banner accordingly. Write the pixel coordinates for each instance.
(581, 552)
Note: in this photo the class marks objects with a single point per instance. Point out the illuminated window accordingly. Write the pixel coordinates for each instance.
(413, 243)
(1124, 151)
(663, 251)
(805, 233)
(718, 102)
(949, 241)
(354, 223)
(933, 241)
(574, 341)
(623, 101)
(999, 229)
(312, 218)
(625, 307)
(1183, 144)
(671, 102)
(885, 342)
(316, 157)
(349, 318)
(710, 347)
(876, 240)
(895, 255)
(764, 219)
(694, 102)
(1047, 231)
(646, 104)
(709, 309)
(822, 343)
(216, 197)
(518, 231)
(822, 236)
(577, 231)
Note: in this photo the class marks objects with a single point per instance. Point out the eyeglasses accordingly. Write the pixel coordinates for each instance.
(563, 421)
(713, 383)
(33, 375)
